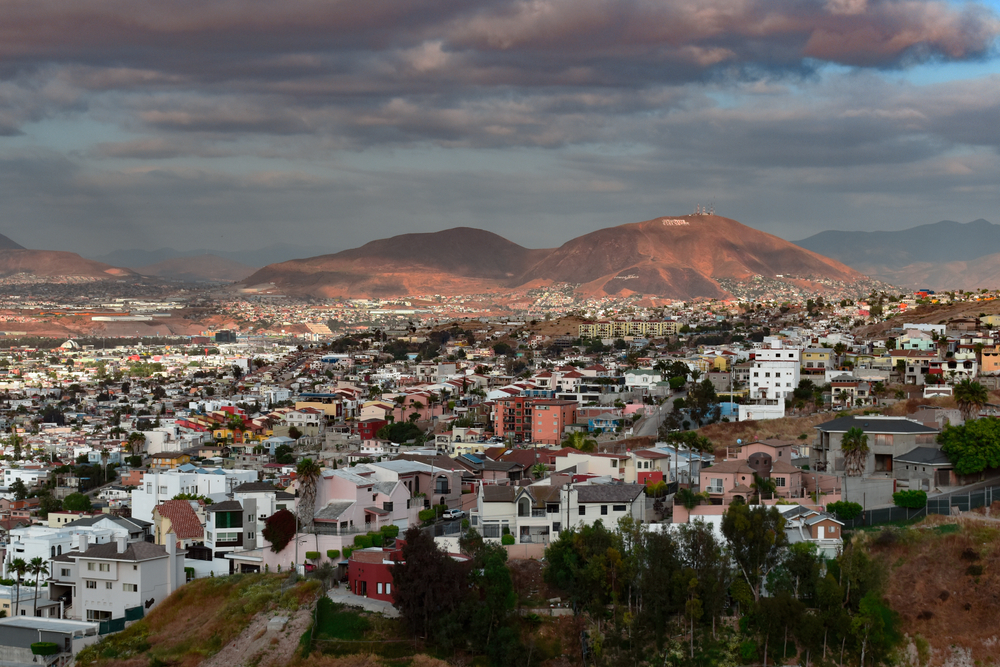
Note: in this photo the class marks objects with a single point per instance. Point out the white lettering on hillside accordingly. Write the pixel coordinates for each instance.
(673, 222)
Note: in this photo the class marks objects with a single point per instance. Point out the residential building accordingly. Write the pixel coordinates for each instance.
(775, 372)
(888, 437)
(549, 420)
(160, 485)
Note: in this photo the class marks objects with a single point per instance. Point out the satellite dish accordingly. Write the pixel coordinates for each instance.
(739, 441)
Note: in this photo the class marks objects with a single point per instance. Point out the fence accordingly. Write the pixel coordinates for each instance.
(118, 624)
(962, 502)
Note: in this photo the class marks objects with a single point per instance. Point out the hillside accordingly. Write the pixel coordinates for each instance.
(52, 263)
(673, 257)
(202, 268)
(943, 255)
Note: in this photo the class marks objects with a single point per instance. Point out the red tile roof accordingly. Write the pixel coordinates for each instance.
(183, 521)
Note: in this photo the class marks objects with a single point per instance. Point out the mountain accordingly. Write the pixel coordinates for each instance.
(202, 268)
(673, 257)
(136, 258)
(7, 244)
(943, 255)
(55, 264)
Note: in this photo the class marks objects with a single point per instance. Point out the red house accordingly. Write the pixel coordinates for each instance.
(369, 571)
(367, 428)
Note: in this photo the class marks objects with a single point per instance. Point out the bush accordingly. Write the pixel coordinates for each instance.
(439, 510)
(507, 540)
(44, 648)
(426, 515)
(376, 539)
(189, 573)
(844, 510)
(332, 554)
(390, 531)
(363, 541)
(279, 529)
(347, 552)
(312, 555)
(912, 499)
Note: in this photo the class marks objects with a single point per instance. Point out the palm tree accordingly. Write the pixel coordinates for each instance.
(307, 473)
(763, 487)
(539, 470)
(18, 566)
(579, 440)
(135, 442)
(854, 445)
(38, 569)
(689, 498)
(971, 397)
(399, 401)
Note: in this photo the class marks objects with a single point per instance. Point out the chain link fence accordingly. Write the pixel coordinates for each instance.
(961, 502)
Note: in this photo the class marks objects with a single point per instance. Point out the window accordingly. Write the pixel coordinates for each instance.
(105, 567)
(619, 508)
(98, 615)
(91, 566)
(380, 588)
(604, 510)
(583, 510)
(108, 585)
(64, 572)
(130, 588)
(779, 481)
(387, 506)
(163, 490)
(91, 583)
(388, 588)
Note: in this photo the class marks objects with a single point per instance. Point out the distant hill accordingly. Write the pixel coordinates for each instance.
(137, 258)
(673, 257)
(7, 244)
(943, 255)
(53, 264)
(202, 268)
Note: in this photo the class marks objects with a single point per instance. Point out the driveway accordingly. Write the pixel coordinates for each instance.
(345, 597)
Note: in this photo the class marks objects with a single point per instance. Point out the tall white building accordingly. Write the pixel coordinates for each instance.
(774, 372)
(161, 485)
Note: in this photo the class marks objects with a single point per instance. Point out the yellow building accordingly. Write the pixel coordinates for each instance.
(170, 459)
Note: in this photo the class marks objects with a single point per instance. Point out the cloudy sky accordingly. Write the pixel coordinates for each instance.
(234, 125)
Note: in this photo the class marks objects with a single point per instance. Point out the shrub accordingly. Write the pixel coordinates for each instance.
(189, 573)
(312, 555)
(844, 510)
(332, 554)
(347, 552)
(390, 531)
(44, 648)
(376, 539)
(912, 499)
(439, 510)
(974, 570)
(426, 515)
(279, 529)
(507, 540)
(363, 541)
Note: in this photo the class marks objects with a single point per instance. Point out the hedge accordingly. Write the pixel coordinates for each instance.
(312, 555)
(507, 540)
(439, 509)
(347, 552)
(363, 541)
(912, 499)
(376, 539)
(390, 531)
(332, 554)
(44, 648)
(845, 510)
(426, 515)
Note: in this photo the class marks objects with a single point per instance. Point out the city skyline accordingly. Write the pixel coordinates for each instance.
(238, 125)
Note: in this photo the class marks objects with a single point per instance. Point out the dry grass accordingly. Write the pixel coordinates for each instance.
(936, 586)
(725, 434)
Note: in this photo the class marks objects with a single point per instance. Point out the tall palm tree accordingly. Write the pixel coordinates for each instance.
(135, 442)
(38, 569)
(307, 473)
(763, 487)
(18, 566)
(400, 400)
(971, 397)
(854, 445)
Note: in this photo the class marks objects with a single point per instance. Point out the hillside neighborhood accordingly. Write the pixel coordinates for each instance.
(131, 470)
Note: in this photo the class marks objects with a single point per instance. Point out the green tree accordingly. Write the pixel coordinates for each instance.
(76, 502)
(756, 536)
(972, 447)
(284, 454)
(429, 585)
(579, 440)
(971, 397)
(19, 490)
(854, 445)
(538, 470)
(38, 569)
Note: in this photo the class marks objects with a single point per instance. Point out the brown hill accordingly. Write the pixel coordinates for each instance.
(54, 263)
(675, 257)
(971, 274)
(201, 268)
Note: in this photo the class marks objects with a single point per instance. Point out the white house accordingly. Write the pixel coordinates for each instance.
(774, 372)
(160, 485)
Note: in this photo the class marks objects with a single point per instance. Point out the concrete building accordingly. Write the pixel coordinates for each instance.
(160, 485)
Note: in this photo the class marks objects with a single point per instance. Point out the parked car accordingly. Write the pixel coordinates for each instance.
(453, 514)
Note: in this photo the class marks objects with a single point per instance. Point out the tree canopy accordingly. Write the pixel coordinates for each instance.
(972, 447)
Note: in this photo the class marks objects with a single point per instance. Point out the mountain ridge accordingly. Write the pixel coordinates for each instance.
(676, 257)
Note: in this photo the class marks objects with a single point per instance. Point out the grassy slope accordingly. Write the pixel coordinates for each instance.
(197, 620)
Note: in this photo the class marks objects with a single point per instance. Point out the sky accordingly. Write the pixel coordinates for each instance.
(235, 125)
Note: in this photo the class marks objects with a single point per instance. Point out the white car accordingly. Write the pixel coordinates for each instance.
(453, 514)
